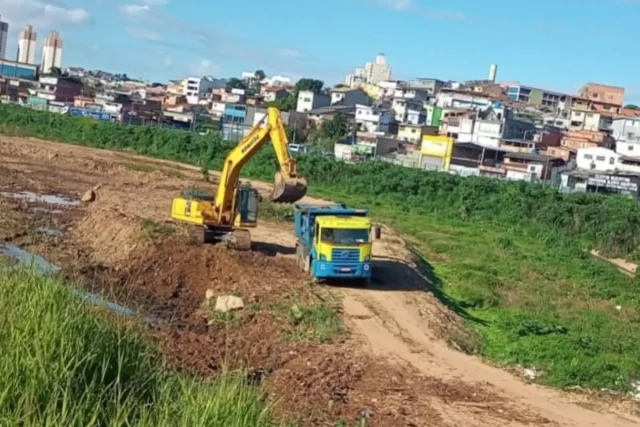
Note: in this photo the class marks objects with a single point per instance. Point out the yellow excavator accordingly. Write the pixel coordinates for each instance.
(227, 215)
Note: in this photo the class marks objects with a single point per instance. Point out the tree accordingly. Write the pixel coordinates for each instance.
(235, 83)
(284, 104)
(339, 86)
(632, 107)
(312, 85)
(336, 128)
(260, 75)
(55, 71)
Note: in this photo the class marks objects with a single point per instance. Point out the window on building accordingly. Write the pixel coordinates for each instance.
(588, 157)
(600, 158)
(577, 114)
(612, 160)
(630, 148)
(589, 114)
(631, 135)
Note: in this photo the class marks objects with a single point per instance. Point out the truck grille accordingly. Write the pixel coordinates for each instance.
(345, 256)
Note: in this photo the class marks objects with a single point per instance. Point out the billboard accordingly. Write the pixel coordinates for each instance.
(97, 115)
(617, 184)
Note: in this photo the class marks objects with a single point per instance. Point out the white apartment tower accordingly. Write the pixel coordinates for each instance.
(27, 46)
(52, 52)
(4, 33)
(378, 71)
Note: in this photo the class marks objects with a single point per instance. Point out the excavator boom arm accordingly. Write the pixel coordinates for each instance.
(288, 188)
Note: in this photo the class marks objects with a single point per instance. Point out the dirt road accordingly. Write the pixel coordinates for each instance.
(396, 365)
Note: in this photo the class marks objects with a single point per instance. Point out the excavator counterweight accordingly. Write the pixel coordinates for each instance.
(227, 215)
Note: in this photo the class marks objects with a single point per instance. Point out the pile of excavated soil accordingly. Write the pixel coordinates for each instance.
(170, 280)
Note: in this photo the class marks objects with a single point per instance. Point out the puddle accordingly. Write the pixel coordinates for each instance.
(44, 267)
(49, 231)
(45, 210)
(52, 199)
(41, 265)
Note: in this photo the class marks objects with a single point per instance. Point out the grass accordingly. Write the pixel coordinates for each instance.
(317, 323)
(154, 232)
(276, 212)
(63, 363)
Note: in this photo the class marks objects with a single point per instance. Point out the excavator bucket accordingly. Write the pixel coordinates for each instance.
(289, 190)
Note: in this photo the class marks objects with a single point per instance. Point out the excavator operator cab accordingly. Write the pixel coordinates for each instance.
(247, 203)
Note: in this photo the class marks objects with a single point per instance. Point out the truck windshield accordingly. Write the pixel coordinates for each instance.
(345, 236)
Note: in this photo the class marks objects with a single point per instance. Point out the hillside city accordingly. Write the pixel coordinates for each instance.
(588, 141)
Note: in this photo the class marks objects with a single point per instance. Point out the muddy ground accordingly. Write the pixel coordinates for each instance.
(390, 365)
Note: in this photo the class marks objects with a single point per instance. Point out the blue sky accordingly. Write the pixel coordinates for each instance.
(554, 44)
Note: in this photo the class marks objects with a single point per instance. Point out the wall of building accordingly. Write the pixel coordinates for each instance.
(435, 152)
(307, 100)
(597, 158)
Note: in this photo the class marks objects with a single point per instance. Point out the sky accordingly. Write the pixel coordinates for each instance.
(551, 44)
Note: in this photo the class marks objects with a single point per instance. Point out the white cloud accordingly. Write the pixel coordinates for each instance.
(154, 2)
(394, 4)
(205, 67)
(144, 34)
(135, 10)
(289, 53)
(41, 13)
(168, 61)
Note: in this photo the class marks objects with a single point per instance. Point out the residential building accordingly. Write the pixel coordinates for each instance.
(377, 71)
(365, 145)
(412, 93)
(27, 45)
(432, 86)
(539, 97)
(4, 35)
(356, 79)
(58, 89)
(413, 133)
(17, 70)
(349, 96)
(585, 139)
(177, 87)
(614, 182)
(435, 152)
(597, 159)
(196, 88)
(469, 159)
(585, 120)
(532, 167)
(319, 115)
(308, 100)
(373, 72)
(626, 131)
(454, 98)
(374, 119)
(405, 108)
(273, 93)
(603, 93)
(52, 53)
(234, 96)
(565, 153)
(278, 80)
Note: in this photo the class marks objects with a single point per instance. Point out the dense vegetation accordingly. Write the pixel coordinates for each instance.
(509, 257)
(63, 363)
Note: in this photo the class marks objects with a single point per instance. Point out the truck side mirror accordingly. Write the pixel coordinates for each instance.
(377, 232)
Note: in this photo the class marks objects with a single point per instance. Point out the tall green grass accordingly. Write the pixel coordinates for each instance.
(64, 363)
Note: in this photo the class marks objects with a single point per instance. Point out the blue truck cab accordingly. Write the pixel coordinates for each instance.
(333, 241)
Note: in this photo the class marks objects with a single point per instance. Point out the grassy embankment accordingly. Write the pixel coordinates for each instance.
(508, 257)
(64, 363)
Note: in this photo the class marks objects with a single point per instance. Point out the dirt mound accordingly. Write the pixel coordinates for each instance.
(170, 280)
(110, 235)
(351, 386)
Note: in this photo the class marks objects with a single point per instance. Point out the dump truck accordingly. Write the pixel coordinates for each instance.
(334, 241)
(227, 215)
